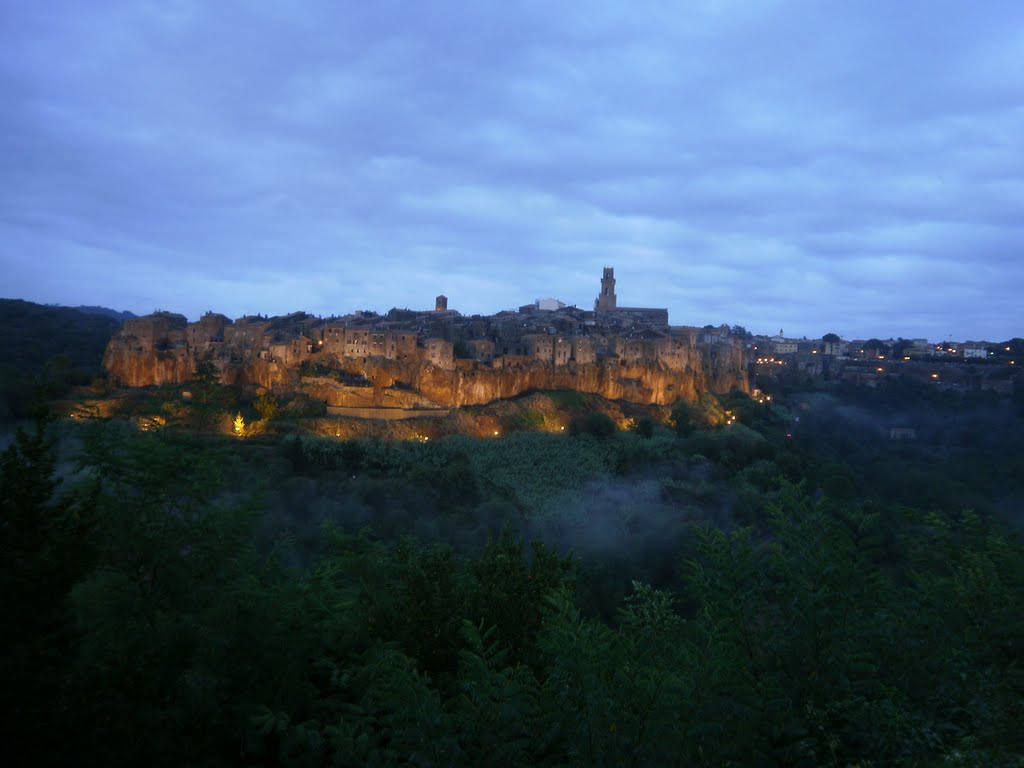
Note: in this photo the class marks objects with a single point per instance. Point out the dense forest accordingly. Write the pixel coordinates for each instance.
(46, 350)
(734, 582)
(789, 587)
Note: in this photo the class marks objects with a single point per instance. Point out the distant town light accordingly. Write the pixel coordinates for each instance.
(935, 375)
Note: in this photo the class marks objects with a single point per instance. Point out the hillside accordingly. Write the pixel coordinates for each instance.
(48, 347)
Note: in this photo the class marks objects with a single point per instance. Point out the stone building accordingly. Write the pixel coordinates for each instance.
(607, 303)
(584, 351)
(481, 350)
(246, 332)
(209, 330)
(540, 347)
(606, 300)
(439, 352)
(157, 331)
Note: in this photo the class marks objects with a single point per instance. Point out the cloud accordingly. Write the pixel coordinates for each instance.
(771, 163)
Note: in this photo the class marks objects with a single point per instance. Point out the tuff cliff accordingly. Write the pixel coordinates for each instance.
(341, 367)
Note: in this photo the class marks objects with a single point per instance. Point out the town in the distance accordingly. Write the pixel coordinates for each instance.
(367, 364)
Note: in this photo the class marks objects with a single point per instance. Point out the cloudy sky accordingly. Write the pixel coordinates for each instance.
(810, 165)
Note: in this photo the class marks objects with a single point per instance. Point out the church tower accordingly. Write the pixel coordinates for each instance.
(606, 300)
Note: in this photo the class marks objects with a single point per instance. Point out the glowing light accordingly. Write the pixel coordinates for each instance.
(906, 358)
(879, 369)
(239, 425)
(935, 375)
(495, 433)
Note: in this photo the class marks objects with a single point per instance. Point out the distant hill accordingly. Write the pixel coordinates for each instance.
(32, 334)
(105, 311)
(45, 349)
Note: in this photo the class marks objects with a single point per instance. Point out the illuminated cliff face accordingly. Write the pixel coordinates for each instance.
(379, 369)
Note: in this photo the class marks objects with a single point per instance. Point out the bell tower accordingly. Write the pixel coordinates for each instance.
(606, 299)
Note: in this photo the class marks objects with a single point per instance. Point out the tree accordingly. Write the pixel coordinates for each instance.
(45, 547)
(831, 338)
(684, 418)
(208, 398)
(901, 346)
(644, 426)
(267, 406)
(876, 347)
(595, 423)
(206, 374)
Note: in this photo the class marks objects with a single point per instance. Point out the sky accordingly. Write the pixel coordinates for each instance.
(798, 165)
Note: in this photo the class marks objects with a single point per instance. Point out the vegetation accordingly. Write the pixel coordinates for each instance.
(46, 350)
(762, 585)
(727, 582)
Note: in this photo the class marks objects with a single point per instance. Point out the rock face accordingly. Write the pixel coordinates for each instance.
(651, 370)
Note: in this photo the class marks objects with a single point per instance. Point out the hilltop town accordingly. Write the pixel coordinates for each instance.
(417, 361)
(959, 366)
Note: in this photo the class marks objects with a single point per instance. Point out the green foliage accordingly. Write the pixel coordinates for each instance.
(526, 419)
(45, 547)
(644, 427)
(569, 398)
(184, 600)
(496, 711)
(46, 350)
(595, 424)
(210, 400)
(509, 590)
(685, 417)
(267, 406)
(876, 347)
